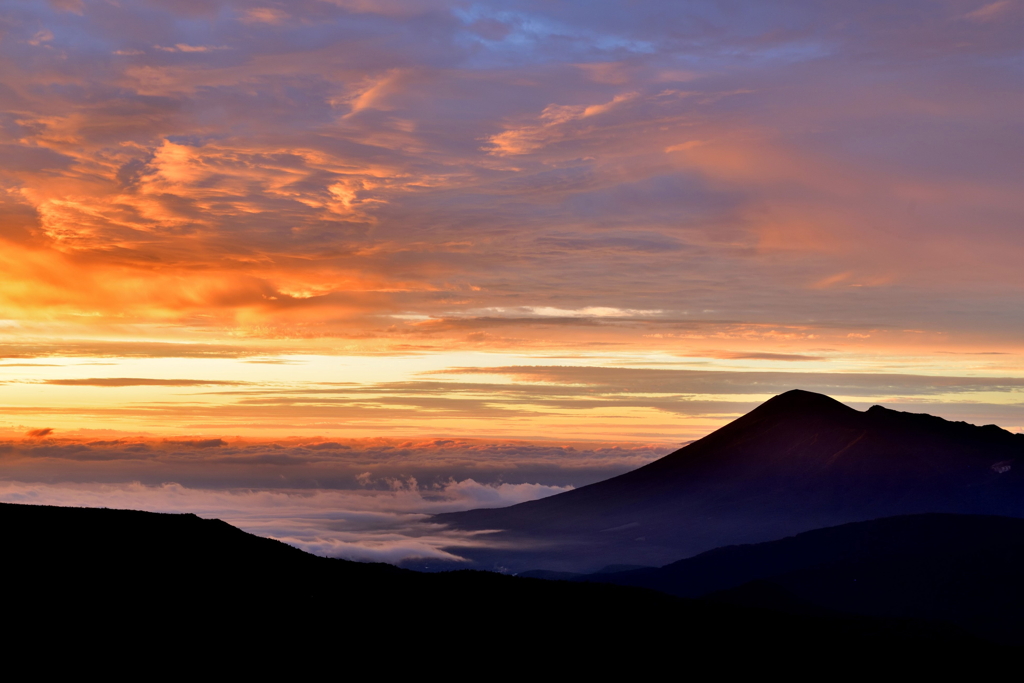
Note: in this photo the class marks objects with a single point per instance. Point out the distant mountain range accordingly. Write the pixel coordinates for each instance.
(799, 461)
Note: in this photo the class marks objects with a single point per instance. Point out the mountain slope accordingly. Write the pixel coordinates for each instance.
(797, 462)
(963, 569)
(107, 588)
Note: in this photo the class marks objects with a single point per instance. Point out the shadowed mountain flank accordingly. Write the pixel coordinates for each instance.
(797, 462)
(961, 569)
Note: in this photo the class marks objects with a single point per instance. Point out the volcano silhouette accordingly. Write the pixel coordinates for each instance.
(799, 461)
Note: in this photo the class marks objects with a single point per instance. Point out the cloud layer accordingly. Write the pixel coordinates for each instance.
(368, 464)
(371, 526)
(429, 174)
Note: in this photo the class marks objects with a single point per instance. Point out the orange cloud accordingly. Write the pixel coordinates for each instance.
(438, 178)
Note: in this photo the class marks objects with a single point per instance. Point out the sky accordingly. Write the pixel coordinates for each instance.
(486, 250)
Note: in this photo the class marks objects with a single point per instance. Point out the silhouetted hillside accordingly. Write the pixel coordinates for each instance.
(799, 461)
(122, 582)
(961, 569)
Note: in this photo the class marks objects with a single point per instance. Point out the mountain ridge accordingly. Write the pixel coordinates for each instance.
(798, 461)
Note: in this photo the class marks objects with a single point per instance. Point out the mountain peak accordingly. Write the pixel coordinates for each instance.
(802, 398)
(798, 461)
(800, 403)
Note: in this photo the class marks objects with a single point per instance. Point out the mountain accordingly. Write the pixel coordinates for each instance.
(961, 569)
(797, 462)
(116, 590)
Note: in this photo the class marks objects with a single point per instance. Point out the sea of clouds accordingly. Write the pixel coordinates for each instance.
(366, 500)
(364, 525)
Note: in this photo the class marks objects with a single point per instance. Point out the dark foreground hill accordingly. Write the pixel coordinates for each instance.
(108, 588)
(799, 461)
(958, 569)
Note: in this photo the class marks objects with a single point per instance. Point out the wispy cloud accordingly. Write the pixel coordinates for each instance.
(43, 347)
(678, 381)
(136, 382)
(341, 463)
(990, 11)
(182, 47)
